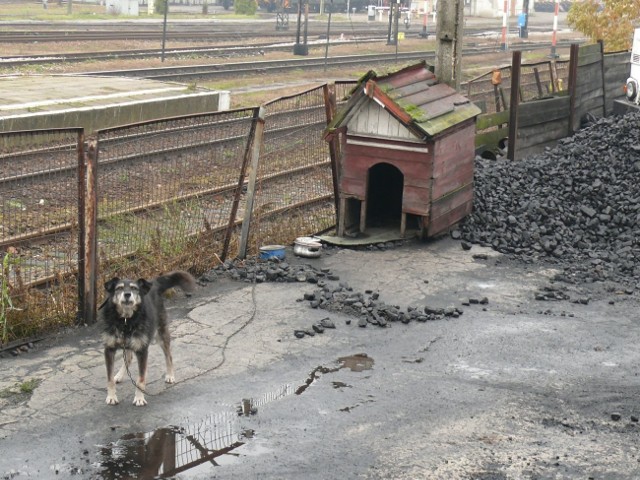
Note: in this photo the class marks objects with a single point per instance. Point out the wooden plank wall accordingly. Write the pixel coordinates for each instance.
(589, 92)
(542, 122)
(616, 72)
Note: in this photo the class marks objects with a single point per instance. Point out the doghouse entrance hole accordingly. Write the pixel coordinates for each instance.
(384, 196)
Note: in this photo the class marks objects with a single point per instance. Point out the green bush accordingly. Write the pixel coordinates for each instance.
(245, 7)
(159, 6)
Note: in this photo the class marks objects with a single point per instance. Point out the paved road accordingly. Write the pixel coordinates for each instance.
(515, 388)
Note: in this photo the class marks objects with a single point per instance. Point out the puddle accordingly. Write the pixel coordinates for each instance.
(168, 451)
(356, 363)
(218, 440)
(190, 450)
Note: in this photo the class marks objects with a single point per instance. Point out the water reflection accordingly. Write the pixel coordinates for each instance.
(168, 451)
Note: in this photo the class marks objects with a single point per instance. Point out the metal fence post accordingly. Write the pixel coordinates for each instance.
(91, 233)
(243, 173)
(82, 187)
(256, 143)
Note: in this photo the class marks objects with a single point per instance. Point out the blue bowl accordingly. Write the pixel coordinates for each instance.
(272, 251)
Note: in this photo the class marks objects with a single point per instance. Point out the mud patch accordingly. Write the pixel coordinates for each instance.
(356, 363)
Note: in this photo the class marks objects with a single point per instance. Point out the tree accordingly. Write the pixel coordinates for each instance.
(611, 21)
(245, 7)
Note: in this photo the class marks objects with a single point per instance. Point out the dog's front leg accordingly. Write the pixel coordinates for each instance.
(109, 357)
(138, 399)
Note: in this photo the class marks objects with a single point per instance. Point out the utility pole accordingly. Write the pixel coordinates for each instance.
(449, 26)
(394, 15)
(301, 47)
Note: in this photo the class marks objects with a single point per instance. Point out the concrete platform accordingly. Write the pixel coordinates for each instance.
(53, 101)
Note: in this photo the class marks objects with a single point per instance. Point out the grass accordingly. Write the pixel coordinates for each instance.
(29, 386)
(6, 304)
(20, 391)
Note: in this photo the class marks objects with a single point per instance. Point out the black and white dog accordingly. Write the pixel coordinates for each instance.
(132, 314)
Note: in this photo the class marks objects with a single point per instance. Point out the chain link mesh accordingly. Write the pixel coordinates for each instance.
(166, 190)
(294, 176)
(39, 202)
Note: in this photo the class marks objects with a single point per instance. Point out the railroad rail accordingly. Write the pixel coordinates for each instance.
(195, 33)
(199, 31)
(223, 70)
(11, 61)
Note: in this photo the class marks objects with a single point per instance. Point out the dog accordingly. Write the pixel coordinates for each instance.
(132, 314)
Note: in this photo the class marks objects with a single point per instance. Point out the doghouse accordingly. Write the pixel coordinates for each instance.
(404, 147)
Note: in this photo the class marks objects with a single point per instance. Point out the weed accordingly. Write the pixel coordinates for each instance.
(20, 391)
(6, 304)
(28, 386)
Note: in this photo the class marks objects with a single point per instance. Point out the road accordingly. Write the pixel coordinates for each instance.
(515, 388)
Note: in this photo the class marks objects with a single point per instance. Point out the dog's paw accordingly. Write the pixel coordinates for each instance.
(169, 379)
(118, 377)
(112, 400)
(139, 401)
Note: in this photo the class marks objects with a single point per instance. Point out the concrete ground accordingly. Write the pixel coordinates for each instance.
(516, 388)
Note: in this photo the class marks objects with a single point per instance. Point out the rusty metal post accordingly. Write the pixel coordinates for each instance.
(82, 177)
(573, 80)
(238, 193)
(91, 233)
(256, 143)
(513, 104)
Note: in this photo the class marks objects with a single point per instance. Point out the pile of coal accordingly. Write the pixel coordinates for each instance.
(369, 309)
(256, 270)
(576, 205)
(332, 295)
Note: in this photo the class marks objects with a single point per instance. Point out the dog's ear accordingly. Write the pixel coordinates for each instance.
(110, 285)
(144, 285)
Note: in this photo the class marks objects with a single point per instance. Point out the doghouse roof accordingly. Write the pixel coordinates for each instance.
(414, 97)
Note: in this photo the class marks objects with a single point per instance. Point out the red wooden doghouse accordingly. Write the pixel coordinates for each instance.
(405, 152)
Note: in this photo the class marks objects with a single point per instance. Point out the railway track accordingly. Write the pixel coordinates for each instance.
(224, 70)
(195, 33)
(209, 31)
(230, 50)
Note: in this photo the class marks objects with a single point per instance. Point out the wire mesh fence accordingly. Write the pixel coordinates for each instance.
(294, 175)
(41, 212)
(166, 191)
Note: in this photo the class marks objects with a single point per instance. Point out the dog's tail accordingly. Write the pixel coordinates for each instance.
(181, 279)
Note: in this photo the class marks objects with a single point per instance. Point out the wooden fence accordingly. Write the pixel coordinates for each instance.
(535, 105)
